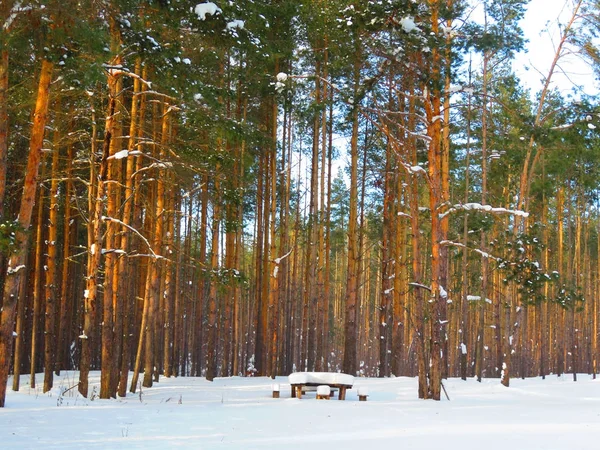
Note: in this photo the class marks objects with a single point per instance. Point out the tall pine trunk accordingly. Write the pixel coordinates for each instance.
(16, 263)
(51, 281)
(350, 322)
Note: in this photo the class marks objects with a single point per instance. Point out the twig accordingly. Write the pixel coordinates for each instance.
(444, 389)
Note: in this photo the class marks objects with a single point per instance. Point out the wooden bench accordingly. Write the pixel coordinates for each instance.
(306, 389)
(303, 381)
(299, 389)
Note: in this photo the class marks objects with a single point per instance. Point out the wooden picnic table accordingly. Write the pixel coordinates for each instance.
(300, 380)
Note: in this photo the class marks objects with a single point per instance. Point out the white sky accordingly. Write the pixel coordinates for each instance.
(540, 27)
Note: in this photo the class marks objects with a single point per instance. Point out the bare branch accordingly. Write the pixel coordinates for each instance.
(112, 219)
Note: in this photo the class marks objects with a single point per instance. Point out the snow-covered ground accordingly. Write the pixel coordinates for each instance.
(239, 413)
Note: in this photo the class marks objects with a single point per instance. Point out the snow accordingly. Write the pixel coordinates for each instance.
(119, 155)
(408, 24)
(443, 292)
(416, 169)
(484, 208)
(561, 127)
(320, 377)
(240, 413)
(323, 390)
(203, 9)
(13, 270)
(153, 41)
(282, 77)
(235, 24)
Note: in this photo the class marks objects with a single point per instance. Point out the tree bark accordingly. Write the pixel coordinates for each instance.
(152, 297)
(350, 323)
(3, 125)
(51, 269)
(17, 261)
(38, 275)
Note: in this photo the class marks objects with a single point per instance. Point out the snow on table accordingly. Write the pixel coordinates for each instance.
(321, 378)
(341, 381)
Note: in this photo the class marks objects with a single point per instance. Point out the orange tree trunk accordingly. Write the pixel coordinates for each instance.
(17, 260)
(36, 258)
(349, 362)
(123, 289)
(51, 272)
(152, 298)
(3, 125)
(434, 131)
(211, 367)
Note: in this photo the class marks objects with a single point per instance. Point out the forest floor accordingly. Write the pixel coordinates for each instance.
(239, 413)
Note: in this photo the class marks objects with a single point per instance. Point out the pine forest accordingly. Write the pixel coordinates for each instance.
(259, 187)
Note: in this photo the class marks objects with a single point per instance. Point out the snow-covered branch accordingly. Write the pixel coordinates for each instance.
(13, 270)
(156, 165)
(13, 12)
(117, 70)
(476, 250)
(281, 258)
(277, 261)
(112, 219)
(483, 208)
(420, 286)
(156, 93)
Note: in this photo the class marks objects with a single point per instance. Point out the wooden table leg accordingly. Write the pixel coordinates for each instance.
(293, 391)
(299, 391)
(342, 395)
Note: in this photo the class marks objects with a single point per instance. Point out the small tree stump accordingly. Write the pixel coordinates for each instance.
(275, 391)
(363, 393)
(323, 392)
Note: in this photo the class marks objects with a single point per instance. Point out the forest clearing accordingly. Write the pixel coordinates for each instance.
(236, 413)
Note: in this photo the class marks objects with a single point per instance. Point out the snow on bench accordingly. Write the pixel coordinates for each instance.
(341, 381)
(323, 392)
